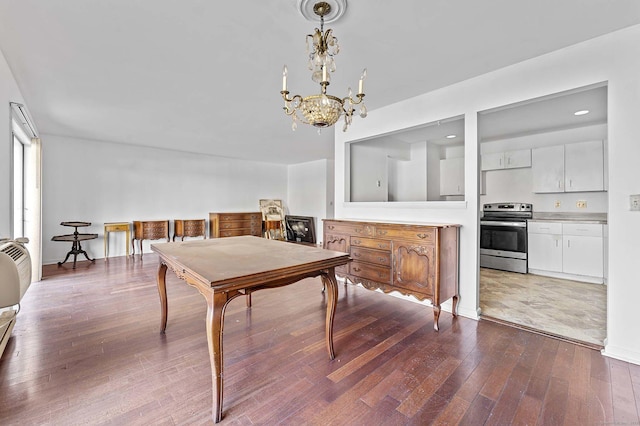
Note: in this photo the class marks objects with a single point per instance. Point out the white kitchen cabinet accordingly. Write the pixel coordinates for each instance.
(584, 166)
(506, 160)
(583, 250)
(547, 168)
(545, 246)
(576, 167)
(566, 250)
(452, 176)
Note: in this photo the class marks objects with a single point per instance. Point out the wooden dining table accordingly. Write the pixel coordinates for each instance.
(225, 268)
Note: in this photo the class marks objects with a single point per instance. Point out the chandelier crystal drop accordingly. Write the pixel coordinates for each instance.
(322, 110)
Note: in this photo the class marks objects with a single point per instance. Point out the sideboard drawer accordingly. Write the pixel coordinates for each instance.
(350, 228)
(252, 217)
(367, 271)
(372, 256)
(370, 243)
(418, 234)
(236, 224)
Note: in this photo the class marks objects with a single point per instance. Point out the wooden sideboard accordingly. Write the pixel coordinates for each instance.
(235, 224)
(149, 230)
(413, 259)
(188, 228)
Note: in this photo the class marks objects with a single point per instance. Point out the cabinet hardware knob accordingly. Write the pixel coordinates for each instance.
(422, 236)
(382, 246)
(331, 227)
(381, 259)
(357, 254)
(357, 269)
(356, 242)
(358, 230)
(380, 232)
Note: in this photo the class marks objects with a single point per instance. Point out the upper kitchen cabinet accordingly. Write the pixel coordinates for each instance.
(584, 166)
(575, 167)
(506, 160)
(423, 163)
(548, 169)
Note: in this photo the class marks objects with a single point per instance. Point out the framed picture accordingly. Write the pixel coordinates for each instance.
(273, 217)
(300, 229)
(271, 210)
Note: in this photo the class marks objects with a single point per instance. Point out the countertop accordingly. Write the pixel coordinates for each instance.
(598, 218)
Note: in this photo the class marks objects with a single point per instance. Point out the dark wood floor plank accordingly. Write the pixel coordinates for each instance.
(553, 406)
(625, 410)
(87, 350)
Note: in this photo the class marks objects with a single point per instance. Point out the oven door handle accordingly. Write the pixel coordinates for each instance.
(495, 223)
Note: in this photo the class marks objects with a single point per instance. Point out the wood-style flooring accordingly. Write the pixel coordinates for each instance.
(86, 350)
(572, 310)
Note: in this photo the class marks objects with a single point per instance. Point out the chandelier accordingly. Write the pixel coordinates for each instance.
(322, 110)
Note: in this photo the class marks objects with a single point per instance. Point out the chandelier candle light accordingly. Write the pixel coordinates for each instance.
(322, 110)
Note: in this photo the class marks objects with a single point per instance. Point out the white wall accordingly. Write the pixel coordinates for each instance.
(9, 92)
(614, 58)
(106, 182)
(408, 182)
(310, 192)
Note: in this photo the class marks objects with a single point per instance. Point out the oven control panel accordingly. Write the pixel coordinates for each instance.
(507, 207)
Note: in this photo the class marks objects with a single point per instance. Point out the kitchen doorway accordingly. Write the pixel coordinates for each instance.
(532, 153)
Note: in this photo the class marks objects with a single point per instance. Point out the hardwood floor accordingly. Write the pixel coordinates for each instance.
(86, 350)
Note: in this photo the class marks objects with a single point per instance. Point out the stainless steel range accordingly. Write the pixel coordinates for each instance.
(503, 236)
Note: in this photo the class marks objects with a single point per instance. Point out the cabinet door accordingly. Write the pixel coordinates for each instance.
(545, 252)
(452, 176)
(548, 169)
(492, 161)
(583, 256)
(338, 242)
(414, 267)
(584, 166)
(516, 159)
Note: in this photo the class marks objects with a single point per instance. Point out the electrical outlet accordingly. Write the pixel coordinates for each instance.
(581, 204)
(557, 204)
(635, 202)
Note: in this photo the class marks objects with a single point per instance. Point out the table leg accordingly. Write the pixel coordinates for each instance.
(330, 283)
(216, 303)
(162, 290)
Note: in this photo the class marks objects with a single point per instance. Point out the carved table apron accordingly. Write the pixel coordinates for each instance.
(222, 269)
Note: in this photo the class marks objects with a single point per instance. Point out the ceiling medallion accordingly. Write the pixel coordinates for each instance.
(322, 110)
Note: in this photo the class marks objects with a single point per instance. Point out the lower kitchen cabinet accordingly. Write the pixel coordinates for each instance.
(566, 250)
(582, 250)
(413, 259)
(544, 246)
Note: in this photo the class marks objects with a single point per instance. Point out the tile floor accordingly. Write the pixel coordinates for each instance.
(563, 308)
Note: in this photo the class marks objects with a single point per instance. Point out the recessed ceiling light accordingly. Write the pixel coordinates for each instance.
(450, 136)
(581, 112)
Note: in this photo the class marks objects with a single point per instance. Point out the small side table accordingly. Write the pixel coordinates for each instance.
(188, 228)
(149, 230)
(75, 239)
(116, 227)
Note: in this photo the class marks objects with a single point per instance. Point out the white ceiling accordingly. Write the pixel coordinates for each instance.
(204, 76)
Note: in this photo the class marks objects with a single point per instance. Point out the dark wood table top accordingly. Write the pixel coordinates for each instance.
(245, 261)
(75, 224)
(74, 237)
